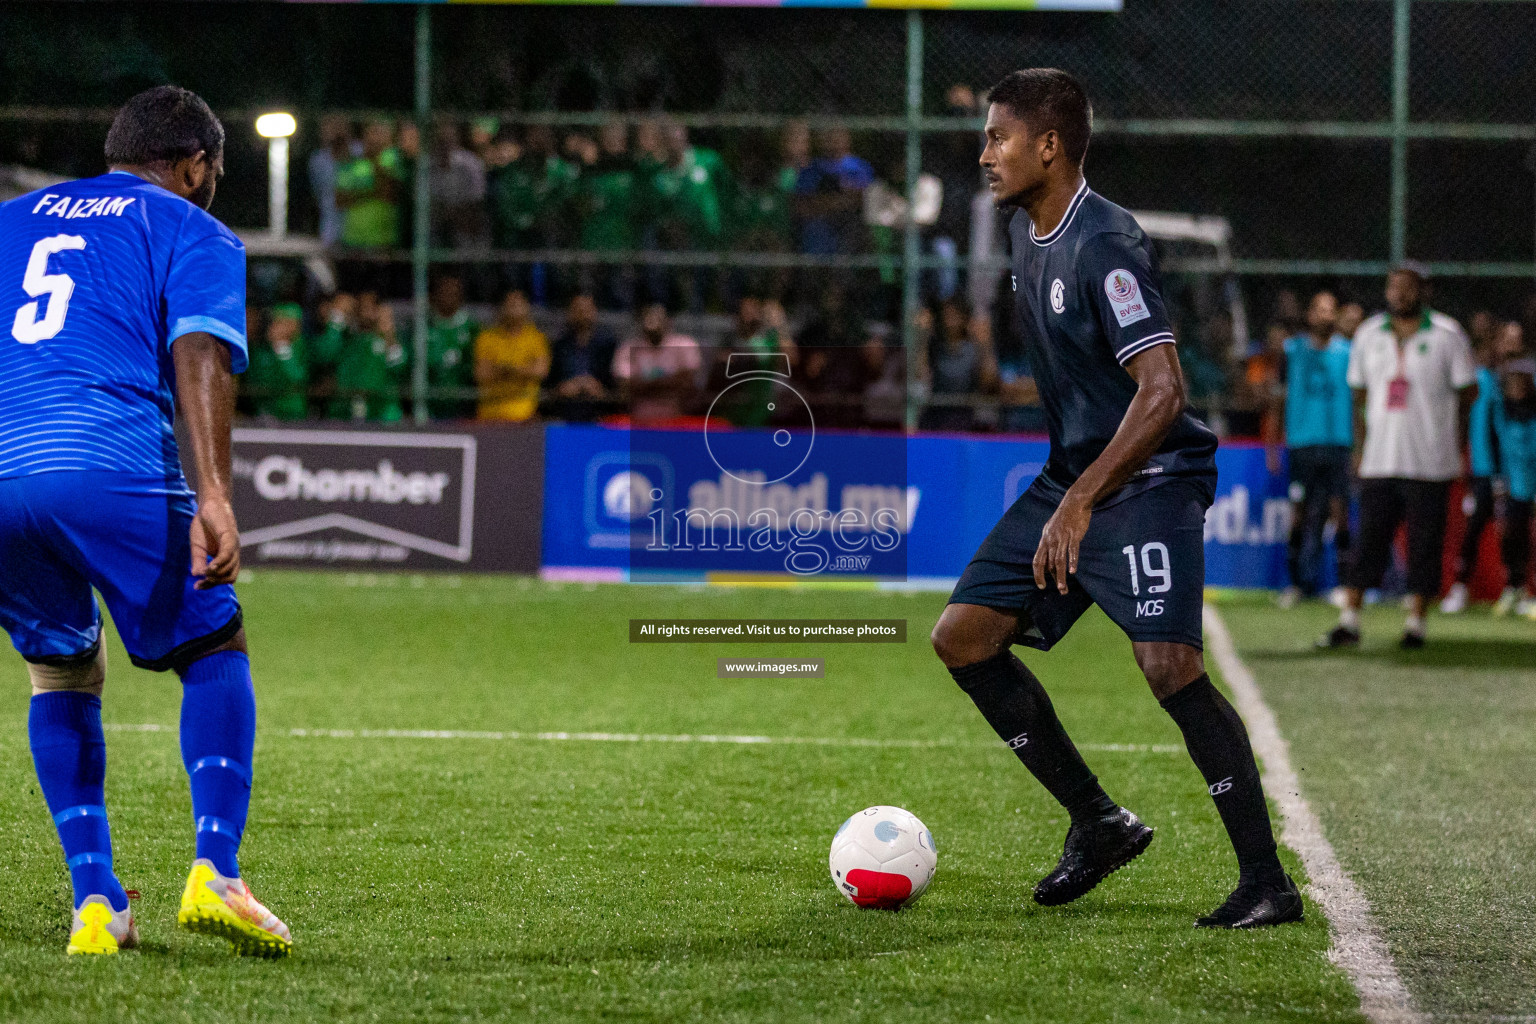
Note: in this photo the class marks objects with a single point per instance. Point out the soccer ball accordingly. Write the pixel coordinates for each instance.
(882, 857)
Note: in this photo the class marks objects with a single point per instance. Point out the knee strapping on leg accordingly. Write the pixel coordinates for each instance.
(82, 676)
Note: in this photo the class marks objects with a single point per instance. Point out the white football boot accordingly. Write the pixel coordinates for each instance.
(1455, 601)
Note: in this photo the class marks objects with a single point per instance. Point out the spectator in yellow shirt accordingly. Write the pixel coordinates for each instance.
(511, 359)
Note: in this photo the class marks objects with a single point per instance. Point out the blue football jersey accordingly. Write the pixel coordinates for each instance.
(97, 278)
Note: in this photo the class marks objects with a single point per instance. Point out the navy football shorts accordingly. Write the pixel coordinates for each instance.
(1142, 561)
(62, 534)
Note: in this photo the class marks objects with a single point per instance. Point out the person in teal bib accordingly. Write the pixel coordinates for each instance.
(1319, 437)
(1517, 445)
(1515, 432)
(1483, 451)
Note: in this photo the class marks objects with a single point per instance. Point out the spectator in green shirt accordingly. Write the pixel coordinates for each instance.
(608, 209)
(686, 153)
(277, 379)
(689, 186)
(530, 202)
(337, 313)
(530, 194)
(605, 193)
(372, 367)
(369, 189)
(760, 209)
(681, 185)
(759, 341)
(450, 349)
(760, 221)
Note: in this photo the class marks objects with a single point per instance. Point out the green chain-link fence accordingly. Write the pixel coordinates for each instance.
(1334, 135)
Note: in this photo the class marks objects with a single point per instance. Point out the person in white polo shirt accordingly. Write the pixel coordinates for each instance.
(1411, 364)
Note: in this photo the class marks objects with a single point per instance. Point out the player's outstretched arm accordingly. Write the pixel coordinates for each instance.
(205, 393)
(1156, 406)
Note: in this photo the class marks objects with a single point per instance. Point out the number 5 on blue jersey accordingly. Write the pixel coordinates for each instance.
(29, 328)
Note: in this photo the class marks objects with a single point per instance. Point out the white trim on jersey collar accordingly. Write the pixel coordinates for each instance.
(1066, 220)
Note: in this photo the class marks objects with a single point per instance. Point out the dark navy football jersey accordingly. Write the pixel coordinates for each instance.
(1087, 301)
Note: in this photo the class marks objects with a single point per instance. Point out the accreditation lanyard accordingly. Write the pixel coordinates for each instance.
(1397, 387)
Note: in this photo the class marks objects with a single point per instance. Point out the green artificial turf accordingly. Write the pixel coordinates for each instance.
(1422, 766)
(483, 878)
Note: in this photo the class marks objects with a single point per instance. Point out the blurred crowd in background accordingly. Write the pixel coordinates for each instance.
(527, 336)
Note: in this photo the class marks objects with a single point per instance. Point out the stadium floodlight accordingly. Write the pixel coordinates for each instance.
(275, 128)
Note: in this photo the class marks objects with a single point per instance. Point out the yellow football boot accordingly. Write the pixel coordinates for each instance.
(97, 928)
(224, 907)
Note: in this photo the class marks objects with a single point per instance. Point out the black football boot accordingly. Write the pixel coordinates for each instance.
(1340, 636)
(1094, 850)
(1256, 905)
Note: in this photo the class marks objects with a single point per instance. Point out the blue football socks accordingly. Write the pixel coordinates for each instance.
(218, 734)
(70, 753)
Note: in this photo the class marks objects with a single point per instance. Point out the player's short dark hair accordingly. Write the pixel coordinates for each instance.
(1049, 99)
(163, 124)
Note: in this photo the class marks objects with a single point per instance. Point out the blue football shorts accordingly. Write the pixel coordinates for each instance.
(128, 537)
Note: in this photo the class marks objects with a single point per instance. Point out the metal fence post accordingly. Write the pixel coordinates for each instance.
(1401, 9)
(421, 213)
(911, 279)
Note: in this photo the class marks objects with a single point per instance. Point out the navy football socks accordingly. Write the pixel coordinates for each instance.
(218, 734)
(1218, 744)
(1014, 703)
(70, 753)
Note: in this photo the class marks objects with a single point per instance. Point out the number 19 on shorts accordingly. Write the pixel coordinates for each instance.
(1154, 566)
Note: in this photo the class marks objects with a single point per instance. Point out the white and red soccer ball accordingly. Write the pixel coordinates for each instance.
(883, 858)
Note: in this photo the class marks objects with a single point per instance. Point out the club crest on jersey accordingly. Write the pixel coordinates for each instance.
(1058, 296)
(1125, 294)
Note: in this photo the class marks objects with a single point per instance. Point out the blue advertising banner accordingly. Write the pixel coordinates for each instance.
(685, 504)
(1247, 526)
(868, 507)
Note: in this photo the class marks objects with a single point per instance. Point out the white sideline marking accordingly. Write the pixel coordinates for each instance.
(1357, 945)
(637, 737)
